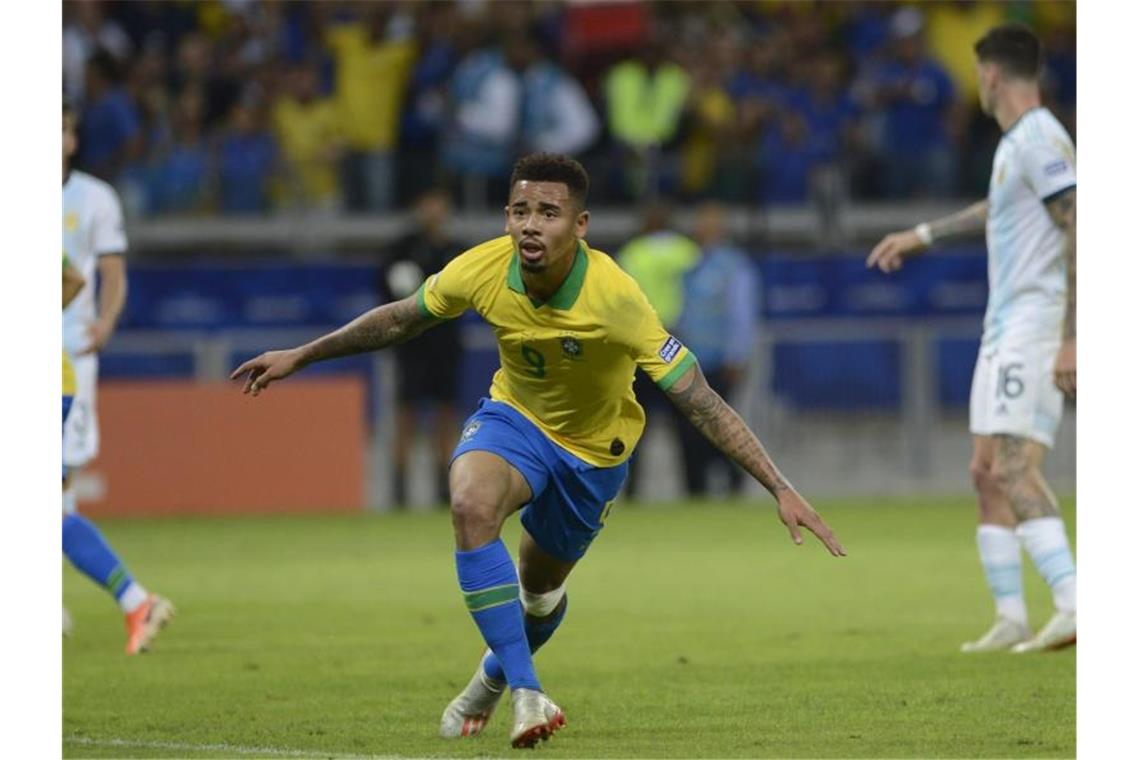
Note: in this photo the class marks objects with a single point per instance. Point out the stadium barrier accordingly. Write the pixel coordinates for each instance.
(177, 447)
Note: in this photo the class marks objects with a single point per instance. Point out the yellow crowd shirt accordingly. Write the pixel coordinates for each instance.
(370, 82)
(306, 131)
(565, 364)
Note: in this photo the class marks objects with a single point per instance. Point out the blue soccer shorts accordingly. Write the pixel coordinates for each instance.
(570, 498)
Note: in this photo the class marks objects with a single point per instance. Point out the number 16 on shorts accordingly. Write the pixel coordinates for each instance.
(1013, 393)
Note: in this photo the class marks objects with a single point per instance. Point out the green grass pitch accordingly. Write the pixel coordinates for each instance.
(693, 631)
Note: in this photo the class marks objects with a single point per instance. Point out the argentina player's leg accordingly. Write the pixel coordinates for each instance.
(1015, 411)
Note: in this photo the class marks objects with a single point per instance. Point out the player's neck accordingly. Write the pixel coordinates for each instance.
(1015, 104)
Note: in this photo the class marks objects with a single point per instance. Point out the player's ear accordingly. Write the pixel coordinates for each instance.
(506, 218)
(582, 223)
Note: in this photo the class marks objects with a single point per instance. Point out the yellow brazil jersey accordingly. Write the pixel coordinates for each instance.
(565, 364)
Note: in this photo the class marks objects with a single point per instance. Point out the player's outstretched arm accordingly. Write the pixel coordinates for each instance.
(890, 252)
(1063, 210)
(373, 330)
(726, 430)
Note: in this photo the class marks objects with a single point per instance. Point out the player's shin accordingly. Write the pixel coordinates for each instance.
(1045, 541)
(1000, 554)
(490, 588)
(541, 623)
(86, 548)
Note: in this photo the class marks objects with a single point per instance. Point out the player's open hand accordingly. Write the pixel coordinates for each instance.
(1065, 368)
(795, 511)
(888, 255)
(264, 369)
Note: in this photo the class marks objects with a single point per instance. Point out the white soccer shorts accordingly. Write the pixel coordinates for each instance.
(1013, 391)
(81, 433)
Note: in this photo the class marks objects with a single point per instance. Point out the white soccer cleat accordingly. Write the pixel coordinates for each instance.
(1004, 634)
(1058, 633)
(68, 626)
(469, 712)
(536, 718)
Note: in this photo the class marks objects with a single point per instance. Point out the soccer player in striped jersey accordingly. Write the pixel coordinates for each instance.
(1028, 354)
(555, 436)
(94, 243)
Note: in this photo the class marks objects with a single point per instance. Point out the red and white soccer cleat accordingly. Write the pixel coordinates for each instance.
(146, 621)
(469, 712)
(536, 718)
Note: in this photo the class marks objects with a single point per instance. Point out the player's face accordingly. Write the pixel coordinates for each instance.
(987, 86)
(545, 223)
(70, 141)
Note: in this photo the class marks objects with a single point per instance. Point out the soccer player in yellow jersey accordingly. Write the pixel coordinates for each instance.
(555, 435)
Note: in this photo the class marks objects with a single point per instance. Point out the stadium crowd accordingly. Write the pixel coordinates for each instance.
(245, 107)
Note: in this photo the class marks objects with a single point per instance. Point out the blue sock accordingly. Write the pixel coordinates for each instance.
(538, 632)
(490, 588)
(85, 546)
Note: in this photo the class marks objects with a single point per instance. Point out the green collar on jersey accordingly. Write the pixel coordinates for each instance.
(567, 293)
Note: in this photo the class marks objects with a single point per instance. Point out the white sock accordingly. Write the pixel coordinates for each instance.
(1045, 541)
(1001, 559)
(134, 596)
(69, 501)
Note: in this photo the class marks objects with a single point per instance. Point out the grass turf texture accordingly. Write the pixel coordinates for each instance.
(696, 630)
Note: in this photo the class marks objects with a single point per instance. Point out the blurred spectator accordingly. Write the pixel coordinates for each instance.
(645, 99)
(483, 125)
(915, 93)
(706, 155)
(180, 176)
(307, 128)
(195, 66)
(557, 117)
(426, 368)
(658, 260)
(867, 28)
(373, 60)
(440, 43)
(110, 133)
(786, 158)
(246, 160)
(717, 323)
(86, 30)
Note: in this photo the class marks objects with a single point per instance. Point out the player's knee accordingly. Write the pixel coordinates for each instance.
(1007, 475)
(541, 605)
(981, 472)
(472, 512)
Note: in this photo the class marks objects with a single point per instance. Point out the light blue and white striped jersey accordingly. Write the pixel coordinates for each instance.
(1034, 163)
(92, 227)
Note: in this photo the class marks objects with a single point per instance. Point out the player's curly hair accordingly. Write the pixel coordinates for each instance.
(554, 167)
(1014, 47)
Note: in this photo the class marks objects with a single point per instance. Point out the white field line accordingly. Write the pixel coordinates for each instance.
(233, 749)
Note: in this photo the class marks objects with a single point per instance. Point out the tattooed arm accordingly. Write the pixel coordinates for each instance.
(1063, 210)
(379, 328)
(720, 423)
(888, 255)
